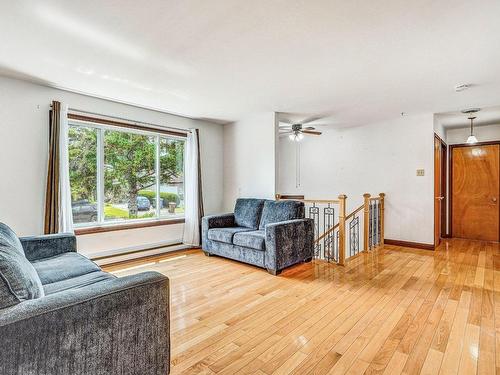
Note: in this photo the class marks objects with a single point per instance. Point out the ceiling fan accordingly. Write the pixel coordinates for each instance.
(296, 130)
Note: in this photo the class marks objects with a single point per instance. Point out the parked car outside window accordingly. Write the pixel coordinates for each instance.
(143, 203)
(84, 211)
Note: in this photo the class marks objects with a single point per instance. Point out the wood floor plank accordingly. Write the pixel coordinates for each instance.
(390, 311)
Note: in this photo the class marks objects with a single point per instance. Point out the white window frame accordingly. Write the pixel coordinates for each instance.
(100, 128)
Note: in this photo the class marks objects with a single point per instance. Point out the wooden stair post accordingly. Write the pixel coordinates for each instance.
(342, 199)
(382, 197)
(366, 221)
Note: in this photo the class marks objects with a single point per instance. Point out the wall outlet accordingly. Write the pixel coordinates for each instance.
(420, 172)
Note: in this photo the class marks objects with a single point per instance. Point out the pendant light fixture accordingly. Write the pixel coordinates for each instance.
(471, 139)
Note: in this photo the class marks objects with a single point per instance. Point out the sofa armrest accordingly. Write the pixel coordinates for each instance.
(289, 242)
(218, 221)
(214, 221)
(48, 245)
(116, 327)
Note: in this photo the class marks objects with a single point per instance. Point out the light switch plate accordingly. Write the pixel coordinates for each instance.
(420, 172)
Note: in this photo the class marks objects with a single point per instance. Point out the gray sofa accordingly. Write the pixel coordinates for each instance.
(268, 234)
(61, 314)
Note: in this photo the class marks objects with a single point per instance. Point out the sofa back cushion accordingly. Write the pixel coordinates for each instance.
(18, 279)
(247, 212)
(276, 211)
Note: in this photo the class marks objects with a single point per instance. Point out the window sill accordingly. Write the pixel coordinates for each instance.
(114, 227)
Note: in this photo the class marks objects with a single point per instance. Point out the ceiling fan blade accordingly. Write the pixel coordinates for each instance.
(310, 128)
(285, 123)
(282, 134)
(312, 132)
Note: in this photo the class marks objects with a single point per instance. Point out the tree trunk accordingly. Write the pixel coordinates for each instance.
(132, 204)
(132, 196)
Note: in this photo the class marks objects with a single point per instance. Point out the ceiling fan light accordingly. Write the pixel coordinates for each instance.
(300, 136)
(471, 139)
(291, 137)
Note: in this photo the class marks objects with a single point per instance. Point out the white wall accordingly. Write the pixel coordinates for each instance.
(439, 129)
(483, 133)
(374, 158)
(249, 158)
(23, 159)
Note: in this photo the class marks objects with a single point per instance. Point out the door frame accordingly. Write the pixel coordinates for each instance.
(450, 167)
(444, 189)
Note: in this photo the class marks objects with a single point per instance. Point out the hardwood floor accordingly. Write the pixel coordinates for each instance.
(395, 310)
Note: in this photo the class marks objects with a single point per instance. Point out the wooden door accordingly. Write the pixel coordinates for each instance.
(475, 192)
(438, 193)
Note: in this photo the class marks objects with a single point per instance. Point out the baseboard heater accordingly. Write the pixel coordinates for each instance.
(118, 255)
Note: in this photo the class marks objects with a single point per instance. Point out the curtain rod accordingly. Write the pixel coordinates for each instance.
(128, 120)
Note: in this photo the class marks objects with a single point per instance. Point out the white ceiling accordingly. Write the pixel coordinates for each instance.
(360, 61)
(457, 119)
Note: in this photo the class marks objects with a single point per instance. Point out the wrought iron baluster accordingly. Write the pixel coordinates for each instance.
(314, 214)
(375, 229)
(336, 251)
(379, 229)
(370, 230)
(374, 225)
(328, 222)
(354, 236)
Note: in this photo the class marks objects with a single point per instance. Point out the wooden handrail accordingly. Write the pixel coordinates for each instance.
(355, 212)
(322, 201)
(298, 198)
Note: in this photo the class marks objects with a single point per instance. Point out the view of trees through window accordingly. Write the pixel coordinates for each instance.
(131, 164)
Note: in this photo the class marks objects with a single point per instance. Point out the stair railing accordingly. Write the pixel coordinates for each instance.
(337, 237)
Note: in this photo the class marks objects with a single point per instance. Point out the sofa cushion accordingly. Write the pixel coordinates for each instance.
(225, 234)
(78, 282)
(63, 266)
(276, 211)
(255, 239)
(18, 279)
(247, 212)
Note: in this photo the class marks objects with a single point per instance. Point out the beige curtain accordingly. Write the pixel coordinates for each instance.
(200, 190)
(52, 190)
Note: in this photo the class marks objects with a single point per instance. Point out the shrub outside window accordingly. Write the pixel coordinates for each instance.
(123, 175)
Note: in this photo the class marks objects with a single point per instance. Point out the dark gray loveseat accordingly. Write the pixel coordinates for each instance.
(60, 314)
(269, 234)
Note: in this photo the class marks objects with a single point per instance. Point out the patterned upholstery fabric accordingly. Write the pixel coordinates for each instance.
(118, 326)
(254, 239)
(242, 254)
(225, 234)
(247, 212)
(275, 246)
(289, 242)
(62, 267)
(82, 281)
(18, 279)
(276, 211)
(48, 245)
(88, 321)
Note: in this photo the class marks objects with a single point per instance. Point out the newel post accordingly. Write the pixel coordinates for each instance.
(342, 199)
(382, 197)
(366, 221)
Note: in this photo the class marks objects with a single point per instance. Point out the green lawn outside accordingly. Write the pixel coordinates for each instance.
(111, 212)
